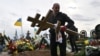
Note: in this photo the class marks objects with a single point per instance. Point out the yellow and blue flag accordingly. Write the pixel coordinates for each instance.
(18, 22)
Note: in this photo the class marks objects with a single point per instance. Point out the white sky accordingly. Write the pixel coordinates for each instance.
(85, 13)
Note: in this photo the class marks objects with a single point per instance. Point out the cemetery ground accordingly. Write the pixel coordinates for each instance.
(33, 53)
(41, 52)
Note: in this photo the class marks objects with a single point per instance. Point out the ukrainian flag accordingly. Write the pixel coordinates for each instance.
(18, 22)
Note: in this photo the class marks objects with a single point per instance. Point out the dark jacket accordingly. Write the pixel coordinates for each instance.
(2, 40)
(63, 18)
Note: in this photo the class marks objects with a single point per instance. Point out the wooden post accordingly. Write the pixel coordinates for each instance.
(73, 32)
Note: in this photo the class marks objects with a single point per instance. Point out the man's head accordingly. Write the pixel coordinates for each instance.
(56, 8)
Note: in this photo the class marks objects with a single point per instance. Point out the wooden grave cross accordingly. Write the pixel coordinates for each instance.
(43, 24)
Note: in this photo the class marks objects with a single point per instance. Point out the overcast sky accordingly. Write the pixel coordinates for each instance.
(85, 13)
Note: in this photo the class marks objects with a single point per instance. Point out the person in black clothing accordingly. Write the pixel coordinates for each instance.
(28, 36)
(2, 42)
(72, 39)
(63, 18)
(97, 31)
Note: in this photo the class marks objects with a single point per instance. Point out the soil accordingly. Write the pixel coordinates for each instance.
(38, 53)
(35, 53)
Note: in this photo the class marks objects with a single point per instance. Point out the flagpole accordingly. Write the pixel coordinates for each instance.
(16, 36)
(19, 23)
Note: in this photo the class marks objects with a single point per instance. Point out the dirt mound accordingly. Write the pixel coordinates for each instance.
(35, 53)
(39, 53)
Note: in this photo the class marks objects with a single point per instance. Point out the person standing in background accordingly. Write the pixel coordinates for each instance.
(2, 42)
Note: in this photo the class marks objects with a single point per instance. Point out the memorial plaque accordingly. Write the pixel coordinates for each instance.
(92, 33)
(84, 33)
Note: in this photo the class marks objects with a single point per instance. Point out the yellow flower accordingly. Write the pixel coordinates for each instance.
(86, 42)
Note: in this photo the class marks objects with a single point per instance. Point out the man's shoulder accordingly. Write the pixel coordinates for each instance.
(63, 13)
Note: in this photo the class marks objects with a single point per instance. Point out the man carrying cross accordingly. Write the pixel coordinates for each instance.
(54, 20)
(60, 38)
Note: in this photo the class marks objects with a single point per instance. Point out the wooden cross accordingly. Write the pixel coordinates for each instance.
(43, 24)
(34, 20)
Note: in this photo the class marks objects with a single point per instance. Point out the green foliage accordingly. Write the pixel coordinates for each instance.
(81, 53)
